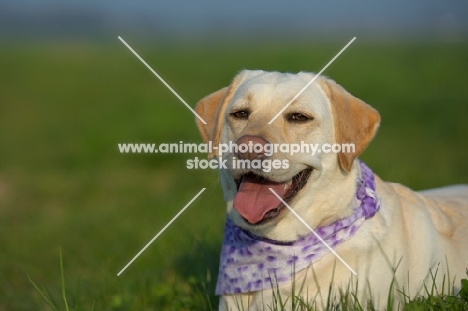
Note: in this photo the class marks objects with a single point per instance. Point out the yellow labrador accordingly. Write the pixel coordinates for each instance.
(389, 238)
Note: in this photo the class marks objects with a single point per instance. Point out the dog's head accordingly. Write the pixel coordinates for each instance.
(319, 186)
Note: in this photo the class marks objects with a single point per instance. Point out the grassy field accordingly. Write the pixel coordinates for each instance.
(63, 184)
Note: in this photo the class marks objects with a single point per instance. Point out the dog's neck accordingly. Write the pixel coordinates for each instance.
(340, 194)
(334, 201)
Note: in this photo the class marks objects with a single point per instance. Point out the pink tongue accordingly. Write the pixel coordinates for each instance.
(254, 199)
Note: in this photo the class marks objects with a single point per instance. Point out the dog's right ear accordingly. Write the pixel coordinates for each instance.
(212, 109)
(208, 108)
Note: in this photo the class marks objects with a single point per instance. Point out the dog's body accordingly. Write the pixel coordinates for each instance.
(412, 235)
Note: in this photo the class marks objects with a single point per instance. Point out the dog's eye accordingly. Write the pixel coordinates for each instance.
(298, 117)
(241, 114)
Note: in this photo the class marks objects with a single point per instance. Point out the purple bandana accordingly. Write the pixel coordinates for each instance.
(250, 263)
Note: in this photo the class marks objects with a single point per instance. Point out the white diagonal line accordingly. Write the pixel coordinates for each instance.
(312, 81)
(162, 80)
(313, 231)
(162, 230)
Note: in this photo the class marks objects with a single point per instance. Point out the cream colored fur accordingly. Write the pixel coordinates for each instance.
(412, 234)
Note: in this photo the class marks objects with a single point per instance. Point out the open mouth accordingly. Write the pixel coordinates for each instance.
(257, 204)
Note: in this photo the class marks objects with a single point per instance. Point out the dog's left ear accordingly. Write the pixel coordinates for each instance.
(355, 121)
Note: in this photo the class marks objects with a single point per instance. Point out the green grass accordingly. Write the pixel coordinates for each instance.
(64, 108)
(437, 297)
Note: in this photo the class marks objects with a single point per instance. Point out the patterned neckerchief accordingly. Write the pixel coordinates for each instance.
(250, 263)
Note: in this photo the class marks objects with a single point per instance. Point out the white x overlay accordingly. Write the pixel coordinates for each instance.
(162, 80)
(203, 189)
(161, 231)
(313, 231)
(311, 81)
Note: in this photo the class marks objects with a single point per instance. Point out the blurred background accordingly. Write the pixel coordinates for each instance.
(70, 91)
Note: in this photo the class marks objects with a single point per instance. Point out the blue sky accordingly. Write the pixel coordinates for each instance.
(222, 20)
